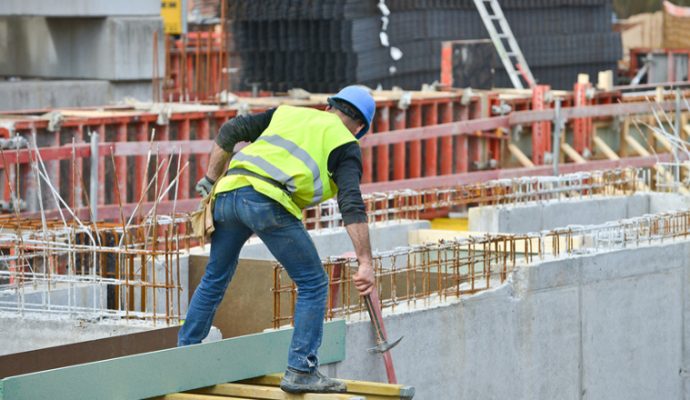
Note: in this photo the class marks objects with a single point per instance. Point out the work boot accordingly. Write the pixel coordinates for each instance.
(305, 382)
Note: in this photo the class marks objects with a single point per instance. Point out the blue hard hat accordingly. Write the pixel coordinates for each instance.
(359, 98)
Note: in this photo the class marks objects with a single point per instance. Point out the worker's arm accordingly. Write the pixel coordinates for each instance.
(364, 278)
(246, 128)
(217, 162)
(345, 166)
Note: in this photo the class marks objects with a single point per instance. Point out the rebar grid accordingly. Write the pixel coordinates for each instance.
(672, 177)
(130, 272)
(434, 273)
(410, 204)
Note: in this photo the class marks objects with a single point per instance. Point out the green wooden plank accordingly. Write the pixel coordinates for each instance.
(172, 370)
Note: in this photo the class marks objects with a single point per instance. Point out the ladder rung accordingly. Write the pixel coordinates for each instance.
(503, 36)
(494, 17)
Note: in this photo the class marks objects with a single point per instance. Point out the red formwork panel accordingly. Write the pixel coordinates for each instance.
(430, 145)
(541, 131)
(414, 120)
(399, 163)
(445, 151)
(382, 124)
(582, 127)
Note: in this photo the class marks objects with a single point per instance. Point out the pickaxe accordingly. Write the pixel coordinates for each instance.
(382, 344)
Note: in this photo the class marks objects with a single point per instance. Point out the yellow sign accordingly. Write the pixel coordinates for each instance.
(173, 13)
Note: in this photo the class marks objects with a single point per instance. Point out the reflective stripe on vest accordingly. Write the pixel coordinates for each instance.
(273, 172)
(303, 156)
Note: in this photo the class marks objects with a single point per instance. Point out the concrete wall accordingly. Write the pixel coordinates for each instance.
(80, 8)
(334, 242)
(547, 215)
(114, 48)
(607, 326)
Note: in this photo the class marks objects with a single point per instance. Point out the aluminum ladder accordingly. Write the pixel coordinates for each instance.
(502, 33)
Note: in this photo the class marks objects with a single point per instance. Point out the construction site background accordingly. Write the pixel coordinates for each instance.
(527, 188)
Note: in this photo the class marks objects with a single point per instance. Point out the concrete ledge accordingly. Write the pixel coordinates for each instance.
(334, 242)
(547, 215)
(80, 8)
(68, 48)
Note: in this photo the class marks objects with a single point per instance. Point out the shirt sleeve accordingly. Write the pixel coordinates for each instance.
(345, 166)
(244, 128)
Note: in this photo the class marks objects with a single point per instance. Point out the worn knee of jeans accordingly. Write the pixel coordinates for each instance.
(314, 289)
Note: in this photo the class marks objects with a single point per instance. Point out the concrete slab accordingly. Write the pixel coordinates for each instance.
(69, 48)
(36, 94)
(24, 334)
(80, 8)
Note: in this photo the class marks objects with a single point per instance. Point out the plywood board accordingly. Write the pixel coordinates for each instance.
(172, 370)
(247, 306)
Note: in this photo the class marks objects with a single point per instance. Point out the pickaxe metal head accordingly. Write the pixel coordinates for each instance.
(384, 346)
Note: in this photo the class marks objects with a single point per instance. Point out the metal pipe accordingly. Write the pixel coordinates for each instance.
(556, 145)
(93, 178)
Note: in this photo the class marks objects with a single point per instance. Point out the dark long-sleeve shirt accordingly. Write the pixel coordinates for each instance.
(344, 163)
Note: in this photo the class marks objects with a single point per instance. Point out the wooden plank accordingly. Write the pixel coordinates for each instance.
(608, 152)
(268, 392)
(520, 156)
(196, 396)
(354, 387)
(172, 370)
(662, 139)
(572, 154)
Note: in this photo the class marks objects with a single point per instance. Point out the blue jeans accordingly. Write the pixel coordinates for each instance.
(238, 214)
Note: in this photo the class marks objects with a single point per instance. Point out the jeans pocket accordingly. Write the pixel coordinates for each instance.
(219, 208)
(263, 214)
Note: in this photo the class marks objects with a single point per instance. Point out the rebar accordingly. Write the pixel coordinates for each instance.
(411, 204)
(438, 272)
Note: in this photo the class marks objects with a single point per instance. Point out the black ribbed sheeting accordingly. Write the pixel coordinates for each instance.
(326, 44)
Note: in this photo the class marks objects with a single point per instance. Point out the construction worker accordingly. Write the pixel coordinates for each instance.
(298, 157)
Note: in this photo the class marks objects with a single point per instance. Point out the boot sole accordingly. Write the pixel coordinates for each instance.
(301, 389)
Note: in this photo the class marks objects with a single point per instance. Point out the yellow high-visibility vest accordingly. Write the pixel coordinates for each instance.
(293, 151)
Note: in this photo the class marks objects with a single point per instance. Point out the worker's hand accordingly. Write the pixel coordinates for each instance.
(364, 279)
(204, 186)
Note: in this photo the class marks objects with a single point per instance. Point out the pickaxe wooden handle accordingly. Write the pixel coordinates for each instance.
(382, 344)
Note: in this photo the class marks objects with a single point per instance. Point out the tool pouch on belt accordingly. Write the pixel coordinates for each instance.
(202, 219)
